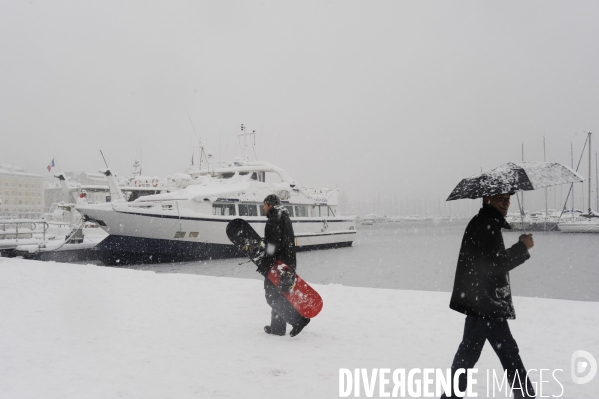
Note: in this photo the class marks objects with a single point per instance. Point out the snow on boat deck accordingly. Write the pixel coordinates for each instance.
(82, 331)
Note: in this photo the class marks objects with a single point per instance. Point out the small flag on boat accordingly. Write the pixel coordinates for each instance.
(51, 165)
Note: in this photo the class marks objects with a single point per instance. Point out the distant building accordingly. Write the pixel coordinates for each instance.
(21, 193)
(53, 193)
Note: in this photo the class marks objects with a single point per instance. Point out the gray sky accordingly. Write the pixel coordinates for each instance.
(382, 97)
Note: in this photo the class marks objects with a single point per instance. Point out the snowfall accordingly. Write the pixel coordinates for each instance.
(84, 331)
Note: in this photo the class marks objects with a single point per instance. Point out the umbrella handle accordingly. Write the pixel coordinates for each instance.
(521, 214)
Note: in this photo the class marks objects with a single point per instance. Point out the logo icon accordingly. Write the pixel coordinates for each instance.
(583, 367)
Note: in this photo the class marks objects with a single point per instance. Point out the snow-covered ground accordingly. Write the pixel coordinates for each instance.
(82, 331)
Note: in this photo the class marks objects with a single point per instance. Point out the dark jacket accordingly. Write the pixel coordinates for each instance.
(279, 237)
(482, 282)
(280, 245)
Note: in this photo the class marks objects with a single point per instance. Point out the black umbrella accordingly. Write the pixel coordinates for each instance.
(512, 177)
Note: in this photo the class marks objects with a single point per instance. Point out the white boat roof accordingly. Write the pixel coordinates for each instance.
(247, 166)
(207, 186)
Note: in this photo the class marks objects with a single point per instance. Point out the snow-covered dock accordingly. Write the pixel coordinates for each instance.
(82, 331)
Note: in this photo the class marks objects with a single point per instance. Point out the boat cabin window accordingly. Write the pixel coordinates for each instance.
(261, 210)
(290, 209)
(223, 209)
(248, 210)
(131, 196)
(322, 211)
(254, 175)
(226, 175)
(315, 211)
(301, 211)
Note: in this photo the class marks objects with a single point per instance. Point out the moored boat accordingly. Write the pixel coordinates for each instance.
(189, 223)
(586, 225)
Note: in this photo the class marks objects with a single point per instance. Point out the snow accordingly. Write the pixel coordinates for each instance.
(514, 176)
(545, 174)
(83, 331)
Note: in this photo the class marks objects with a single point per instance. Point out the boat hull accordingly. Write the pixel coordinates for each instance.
(534, 226)
(145, 237)
(580, 227)
(124, 250)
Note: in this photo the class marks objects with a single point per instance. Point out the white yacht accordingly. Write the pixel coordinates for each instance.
(189, 223)
(414, 218)
(374, 218)
(582, 225)
(534, 221)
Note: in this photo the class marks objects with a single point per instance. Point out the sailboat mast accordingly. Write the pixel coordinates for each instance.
(545, 160)
(572, 160)
(522, 209)
(590, 134)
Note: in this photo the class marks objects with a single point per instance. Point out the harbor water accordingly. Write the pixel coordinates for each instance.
(423, 255)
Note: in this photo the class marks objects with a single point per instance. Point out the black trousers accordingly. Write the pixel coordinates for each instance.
(282, 312)
(476, 332)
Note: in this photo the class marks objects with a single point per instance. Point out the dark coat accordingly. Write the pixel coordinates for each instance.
(279, 237)
(280, 245)
(482, 282)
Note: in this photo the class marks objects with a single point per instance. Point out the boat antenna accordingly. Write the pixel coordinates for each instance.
(244, 135)
(196, 135)
(241, 148)
(254, 146)
(192, 126)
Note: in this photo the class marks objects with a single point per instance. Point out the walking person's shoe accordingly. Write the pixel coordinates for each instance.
(269, 330)
(299, 326)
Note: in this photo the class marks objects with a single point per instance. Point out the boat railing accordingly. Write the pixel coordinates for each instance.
(27, 226)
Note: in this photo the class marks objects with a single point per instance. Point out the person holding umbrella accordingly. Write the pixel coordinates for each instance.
(482, 292)
(481, 288)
